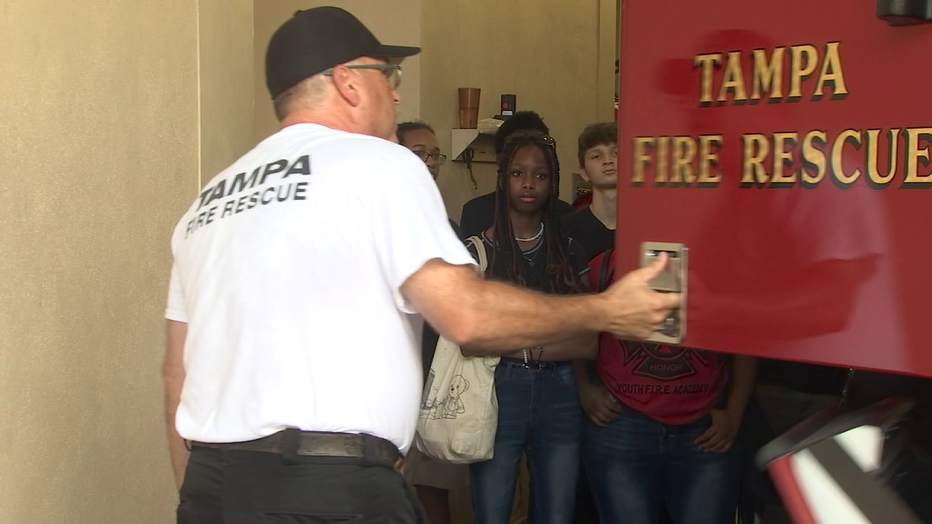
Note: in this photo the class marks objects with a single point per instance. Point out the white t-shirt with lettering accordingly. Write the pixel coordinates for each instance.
(287, 270)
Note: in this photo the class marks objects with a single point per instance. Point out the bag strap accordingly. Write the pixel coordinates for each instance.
(605, 272)
(480, 250)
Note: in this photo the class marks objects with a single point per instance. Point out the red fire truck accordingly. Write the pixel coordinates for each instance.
(781, 153)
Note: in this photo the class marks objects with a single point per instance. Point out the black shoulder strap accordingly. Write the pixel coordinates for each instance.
(605, 271)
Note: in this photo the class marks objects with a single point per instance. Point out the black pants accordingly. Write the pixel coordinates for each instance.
(248, 487)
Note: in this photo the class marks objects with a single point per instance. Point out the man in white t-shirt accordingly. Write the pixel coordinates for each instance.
(292, 362)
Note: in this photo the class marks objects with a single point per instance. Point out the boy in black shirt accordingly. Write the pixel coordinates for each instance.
(594, 225)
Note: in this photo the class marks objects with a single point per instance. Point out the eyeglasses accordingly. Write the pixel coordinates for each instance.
(392, 72)
(439, 158)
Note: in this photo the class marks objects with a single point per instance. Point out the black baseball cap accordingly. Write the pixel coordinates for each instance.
(317, 39)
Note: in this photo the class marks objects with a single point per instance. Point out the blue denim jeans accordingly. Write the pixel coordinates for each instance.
(538, 415)
(636, 464)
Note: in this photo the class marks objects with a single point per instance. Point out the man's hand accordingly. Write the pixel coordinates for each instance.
(721, 433)
(598, 402)
(633, 308)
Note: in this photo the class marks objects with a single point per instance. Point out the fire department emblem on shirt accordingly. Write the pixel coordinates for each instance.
(663, 362)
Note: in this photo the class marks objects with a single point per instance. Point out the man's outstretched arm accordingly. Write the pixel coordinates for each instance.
(499, 317)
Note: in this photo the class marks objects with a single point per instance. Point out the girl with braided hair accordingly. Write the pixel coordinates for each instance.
(539, 413)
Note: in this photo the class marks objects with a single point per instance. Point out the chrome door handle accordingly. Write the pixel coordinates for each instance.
(671, 280)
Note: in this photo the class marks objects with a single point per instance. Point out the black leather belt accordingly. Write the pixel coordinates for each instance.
(316, 444)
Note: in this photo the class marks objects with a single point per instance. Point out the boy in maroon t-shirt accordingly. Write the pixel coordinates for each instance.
(680, 413)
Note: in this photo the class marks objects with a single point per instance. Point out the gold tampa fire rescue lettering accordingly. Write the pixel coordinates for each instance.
(767, 74)
(784, 159)
(237, 200)
(809, 164)
(686, 160)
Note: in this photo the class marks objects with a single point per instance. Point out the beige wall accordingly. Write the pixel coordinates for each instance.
(103, 145)
(395, 22)
(225, 51)
(557, 56)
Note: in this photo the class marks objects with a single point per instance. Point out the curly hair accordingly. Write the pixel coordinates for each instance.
(595, 135)
(507, 261)
(522, 120)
